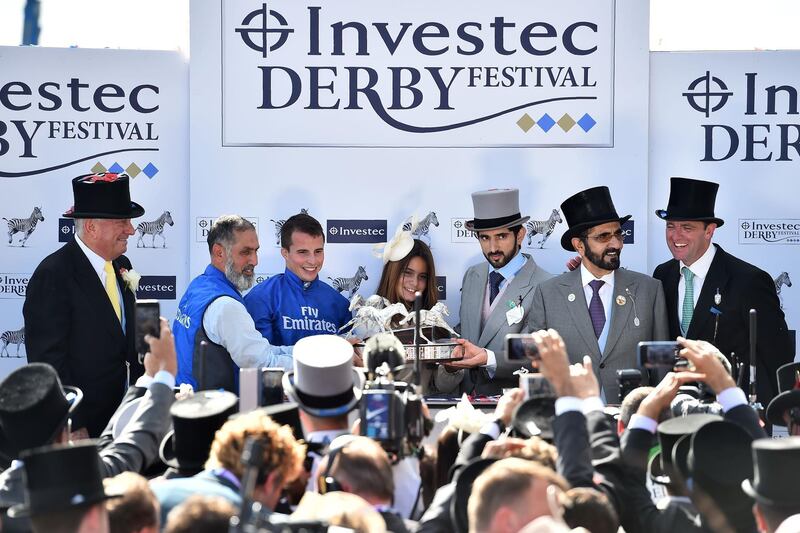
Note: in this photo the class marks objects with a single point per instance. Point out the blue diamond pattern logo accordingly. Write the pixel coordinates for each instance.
(546, 122)
(587, 122)
(116, 168)
(150, 170)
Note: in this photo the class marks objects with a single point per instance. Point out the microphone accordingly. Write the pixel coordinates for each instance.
(383, 348)
(753, 389)
(417, 334)
(636, 320)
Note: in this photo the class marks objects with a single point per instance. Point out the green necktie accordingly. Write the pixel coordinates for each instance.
(688, 299)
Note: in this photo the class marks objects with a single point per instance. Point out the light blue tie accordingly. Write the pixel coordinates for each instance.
(688, 299)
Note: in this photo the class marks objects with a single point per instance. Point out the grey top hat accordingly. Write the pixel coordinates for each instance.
(324, 382)
(495, 209)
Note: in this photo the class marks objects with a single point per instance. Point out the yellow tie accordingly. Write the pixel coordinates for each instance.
(111, 289)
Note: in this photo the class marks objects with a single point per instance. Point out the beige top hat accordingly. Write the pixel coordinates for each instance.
(324, 382)
(495, 209)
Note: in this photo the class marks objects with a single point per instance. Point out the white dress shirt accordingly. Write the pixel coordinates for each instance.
(228, 324)
(99, 266)
(700, 270)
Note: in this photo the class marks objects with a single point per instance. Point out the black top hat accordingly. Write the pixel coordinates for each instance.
(789, 387)
(495, 209)
(463, 481)
(691, 199)
(587, 209)
(720, 456)
(195, 420)
(669, 433)
(104, 195)
(61, 477)
(534, 417)
(680, 456)
(777, 462)
(286, 414)
(33, 408)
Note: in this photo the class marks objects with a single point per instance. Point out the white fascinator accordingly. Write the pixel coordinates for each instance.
(400, 245)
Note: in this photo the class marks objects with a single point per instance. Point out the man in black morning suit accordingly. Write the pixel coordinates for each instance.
(723, 288)
(79, 306)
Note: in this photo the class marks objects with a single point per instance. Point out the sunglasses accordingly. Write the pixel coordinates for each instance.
(607, 236)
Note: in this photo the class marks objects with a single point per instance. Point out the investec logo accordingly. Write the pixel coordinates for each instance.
(156, 288)
(426, 69)
(627, 232)
(459, 231)
(13, 285)
(203, 225)
(361, 231)
(66, 229)
(769, 231)
(441, 287)
(766, 126)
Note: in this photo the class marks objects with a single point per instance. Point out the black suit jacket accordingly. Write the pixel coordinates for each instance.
(589, 456)
(742, 287)
(635, 446)
(70, 324)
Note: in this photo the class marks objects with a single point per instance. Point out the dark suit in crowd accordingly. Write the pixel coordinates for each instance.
(741, 287)
(70, 324)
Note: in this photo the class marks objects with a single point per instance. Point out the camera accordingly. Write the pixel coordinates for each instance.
(148, 321)
(260, 387)
(658, 354)
(534, 384)
(628, 379)
(390, 411)
(520, 347)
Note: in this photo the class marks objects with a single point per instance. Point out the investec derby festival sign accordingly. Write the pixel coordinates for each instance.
(420, 73)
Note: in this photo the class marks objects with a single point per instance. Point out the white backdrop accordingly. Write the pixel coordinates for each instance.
(376, 189)
(67, 112)
(751, 151)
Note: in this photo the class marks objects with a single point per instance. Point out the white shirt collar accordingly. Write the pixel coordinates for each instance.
(97, 262)
(700, 267)
(587, 276)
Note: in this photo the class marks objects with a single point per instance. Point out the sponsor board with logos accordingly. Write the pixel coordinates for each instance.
(459, 231)
(157, 288)
(732, 118)
(13, 286)
(441, 287)
(451, 73)
(769, 231)
(356, 231)
(80, 112)
(202, 225)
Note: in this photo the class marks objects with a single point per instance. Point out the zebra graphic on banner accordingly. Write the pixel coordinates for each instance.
(24, 225)
(350, 284)
(423, 226)
(780, 281)
(12, 337)
(156, 227)
(543, 227)
(279, 226)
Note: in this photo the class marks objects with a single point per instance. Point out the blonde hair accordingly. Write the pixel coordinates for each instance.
(282, 452)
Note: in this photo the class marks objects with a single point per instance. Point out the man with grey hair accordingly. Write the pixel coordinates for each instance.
(79, 306)
(214, 334)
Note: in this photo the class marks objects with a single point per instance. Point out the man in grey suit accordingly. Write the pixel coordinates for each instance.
(495, 297)
(599, 309)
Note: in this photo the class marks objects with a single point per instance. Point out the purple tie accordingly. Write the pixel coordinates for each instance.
(596, 311)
